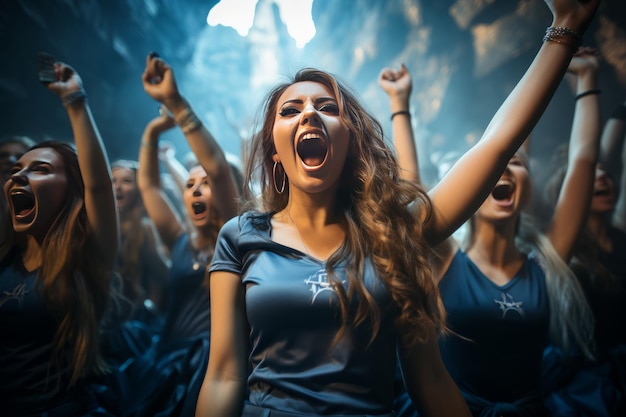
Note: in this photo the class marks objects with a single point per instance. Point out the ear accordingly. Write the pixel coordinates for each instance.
(275, 157)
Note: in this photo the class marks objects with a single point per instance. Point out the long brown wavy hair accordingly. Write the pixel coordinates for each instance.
(383, 216)
(73, 279)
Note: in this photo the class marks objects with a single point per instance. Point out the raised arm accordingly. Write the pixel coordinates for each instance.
(613, 158)
(158, 206)
(574, 199)
(459, 194)
(159, 82)
(612, 141)
(93, 162)
(398, 85)
(167, 155)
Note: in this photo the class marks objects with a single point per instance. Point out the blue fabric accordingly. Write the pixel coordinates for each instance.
(500, 333)
(164, 379)
(293, 315)
(574, 387)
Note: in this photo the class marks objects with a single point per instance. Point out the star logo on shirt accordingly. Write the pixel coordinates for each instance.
(318, 283)
(507, 304)
(18, 294)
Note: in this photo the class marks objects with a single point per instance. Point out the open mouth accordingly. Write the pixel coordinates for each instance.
(23, 204)
(602, 192)
(198, 207)
(312, 149)
(503, 191)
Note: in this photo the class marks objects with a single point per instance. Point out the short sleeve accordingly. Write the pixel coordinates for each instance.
(226, 257)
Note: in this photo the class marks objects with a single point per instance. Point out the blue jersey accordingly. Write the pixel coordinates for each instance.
(293, 315)
(188, 312)
(30, 383)
(501, 330)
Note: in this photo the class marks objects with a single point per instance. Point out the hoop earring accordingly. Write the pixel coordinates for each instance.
(282, 188)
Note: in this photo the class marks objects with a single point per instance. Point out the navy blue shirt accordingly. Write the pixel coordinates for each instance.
(188, 312)
(505, 330)
(27, 328)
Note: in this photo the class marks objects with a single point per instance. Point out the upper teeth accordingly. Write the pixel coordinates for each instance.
(310, 136)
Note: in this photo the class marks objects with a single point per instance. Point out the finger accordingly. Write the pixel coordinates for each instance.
(150, 56)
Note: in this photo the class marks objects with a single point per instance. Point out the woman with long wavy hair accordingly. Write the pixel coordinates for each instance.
(319, 288)
(56, 264)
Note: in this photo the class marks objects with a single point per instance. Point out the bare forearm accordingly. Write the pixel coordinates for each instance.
(92, 157)
(148, 175)
(97, 178)
(220, 399)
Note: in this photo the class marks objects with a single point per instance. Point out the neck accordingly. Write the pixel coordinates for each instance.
(201, 240)
(494, 243)
(31, 257)
(312, 210)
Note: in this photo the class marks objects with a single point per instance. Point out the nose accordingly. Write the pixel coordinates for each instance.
(196, 190)
(310, 116)
(19, 178)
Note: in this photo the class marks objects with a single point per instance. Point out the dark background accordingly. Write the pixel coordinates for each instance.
(465, 57)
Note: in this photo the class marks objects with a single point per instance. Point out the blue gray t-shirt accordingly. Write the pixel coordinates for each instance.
(293, 315)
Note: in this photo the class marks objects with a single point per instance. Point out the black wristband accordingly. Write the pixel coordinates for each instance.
(405, 112)
(587, 93)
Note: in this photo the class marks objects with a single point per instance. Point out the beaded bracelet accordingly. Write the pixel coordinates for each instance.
(563, 36)
(405, 112)
(587, 93)
(73, 97)
(188, 122)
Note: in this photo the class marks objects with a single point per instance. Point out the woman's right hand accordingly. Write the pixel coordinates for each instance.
(396, 82)
(573, 14)
(159, 82)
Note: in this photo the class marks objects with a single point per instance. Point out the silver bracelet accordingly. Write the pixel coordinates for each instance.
(563, 36)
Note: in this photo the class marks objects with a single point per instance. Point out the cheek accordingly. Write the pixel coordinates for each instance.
(207, 193)
(132, 192)
(51, 202)
(282, 136)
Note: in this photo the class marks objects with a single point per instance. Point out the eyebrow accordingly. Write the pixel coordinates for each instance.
(316, 101)
(35, 164)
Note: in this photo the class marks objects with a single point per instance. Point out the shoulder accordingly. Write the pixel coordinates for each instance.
(247, 224)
